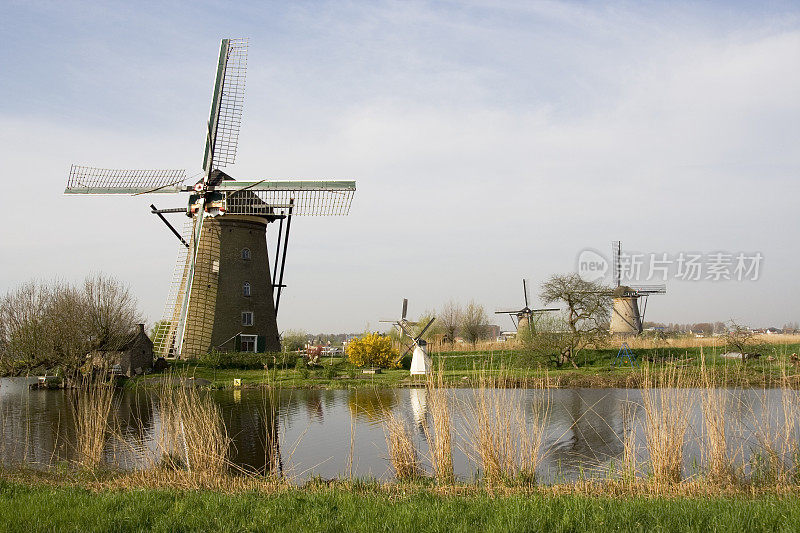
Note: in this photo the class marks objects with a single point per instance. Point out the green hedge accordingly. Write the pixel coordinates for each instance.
(248, 360)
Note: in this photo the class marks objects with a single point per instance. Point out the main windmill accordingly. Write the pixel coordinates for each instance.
(523, 318)
(223, 295)
(626, 318)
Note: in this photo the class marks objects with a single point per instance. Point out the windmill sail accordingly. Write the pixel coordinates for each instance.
(164, 341)
(91, 180)
(310, 198)
(649, 289)
(226, 105)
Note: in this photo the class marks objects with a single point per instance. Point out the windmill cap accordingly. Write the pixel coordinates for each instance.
(622, 291)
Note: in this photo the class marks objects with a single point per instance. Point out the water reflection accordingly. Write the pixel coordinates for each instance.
(371, 405)
(310, 432)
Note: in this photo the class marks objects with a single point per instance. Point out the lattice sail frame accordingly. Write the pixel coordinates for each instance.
(229, 120)
(200, 315)
(164, 341)
(307, 198)
(93, 180)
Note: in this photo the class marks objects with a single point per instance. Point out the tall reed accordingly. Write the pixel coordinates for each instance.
(666, 405)
(193, 433)
(629, 441)
(777, 462)
(91, 405)
(718, 463)
(439, 437)
(270, 412)
(501, 441)
(402, 451)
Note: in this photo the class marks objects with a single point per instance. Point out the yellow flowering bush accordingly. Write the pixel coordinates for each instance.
(373, 349)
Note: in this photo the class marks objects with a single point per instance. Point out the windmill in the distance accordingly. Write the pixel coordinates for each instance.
(420, 360)
(626, 318)
(524, 316)
(223, 296)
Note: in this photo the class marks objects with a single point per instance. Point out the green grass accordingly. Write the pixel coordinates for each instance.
(62, 508)
(595, 370)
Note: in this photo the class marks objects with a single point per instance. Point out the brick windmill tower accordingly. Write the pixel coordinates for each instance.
(626, 318)
(224, 295)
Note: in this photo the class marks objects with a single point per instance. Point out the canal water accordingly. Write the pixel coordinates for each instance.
(329, 433)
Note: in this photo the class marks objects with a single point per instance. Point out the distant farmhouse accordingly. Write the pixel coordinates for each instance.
(129, 356)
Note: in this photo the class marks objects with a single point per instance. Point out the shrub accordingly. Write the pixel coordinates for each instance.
(301, 367)
(331, 372)
(247, 360)
(373, 349)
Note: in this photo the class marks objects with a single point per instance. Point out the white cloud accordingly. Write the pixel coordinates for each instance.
(488, 144)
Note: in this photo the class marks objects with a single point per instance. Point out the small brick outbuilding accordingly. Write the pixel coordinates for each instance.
(130, 357)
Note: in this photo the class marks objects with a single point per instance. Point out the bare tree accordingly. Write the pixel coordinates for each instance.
(55, 326)
(110, 310)
(587, 315)
(422, 321)
(23, 326)
(449, 320)
(67, 327)
(473, 323)
(741, 339)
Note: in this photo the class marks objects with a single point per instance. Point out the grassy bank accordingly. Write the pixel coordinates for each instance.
(596, 369)
(366, 508)
(191, 482)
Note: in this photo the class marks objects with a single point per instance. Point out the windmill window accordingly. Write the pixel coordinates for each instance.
(247, 318)
(246, 289)
(248, 343)
(246, 254)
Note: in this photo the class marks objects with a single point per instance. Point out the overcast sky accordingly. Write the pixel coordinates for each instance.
(489, 141)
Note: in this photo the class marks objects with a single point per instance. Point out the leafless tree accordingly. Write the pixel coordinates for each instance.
(473, 323)
(422, 321)
(449, 319)
(56, 325)
(110, 310)
(587, 315)
(23, 326)
(741, 339)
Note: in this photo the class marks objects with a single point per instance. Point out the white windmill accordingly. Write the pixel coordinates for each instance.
(420, 360)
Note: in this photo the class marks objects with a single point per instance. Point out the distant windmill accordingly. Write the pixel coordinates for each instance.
(524, 316)
(625, 317)
(223, 296)
(420, 361)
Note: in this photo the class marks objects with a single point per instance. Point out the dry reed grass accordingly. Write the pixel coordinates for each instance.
(718, 463)
(667, 408)
(270, 414)
(436, 346)
(640, 342)
(402, 451)
(192, 433)
(91, 405)
(629, 462)
(500, 440)
(777, 460)
(440, 436)
(690, 341)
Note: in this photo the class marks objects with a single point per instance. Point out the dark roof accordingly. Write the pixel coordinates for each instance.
(122, 342)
